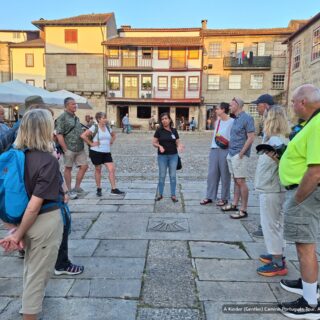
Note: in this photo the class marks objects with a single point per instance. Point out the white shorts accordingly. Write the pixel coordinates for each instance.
(238, 168)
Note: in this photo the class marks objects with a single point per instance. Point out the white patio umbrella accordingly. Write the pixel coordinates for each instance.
(15, 92)
(82, 102)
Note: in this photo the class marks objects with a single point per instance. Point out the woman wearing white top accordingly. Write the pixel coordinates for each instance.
(100, 143)
(218, 167)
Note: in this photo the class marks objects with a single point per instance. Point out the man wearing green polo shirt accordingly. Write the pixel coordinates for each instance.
(299, 172)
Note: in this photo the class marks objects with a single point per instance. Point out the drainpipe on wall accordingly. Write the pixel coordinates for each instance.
(289, 72)
(104, 67)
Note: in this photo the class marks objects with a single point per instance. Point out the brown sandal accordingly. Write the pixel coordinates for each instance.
(229, 207)
(221, 203)
(205, 202)
(239, 215)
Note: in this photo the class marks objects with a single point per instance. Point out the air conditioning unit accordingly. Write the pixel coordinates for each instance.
(112, 94)
(148, 95)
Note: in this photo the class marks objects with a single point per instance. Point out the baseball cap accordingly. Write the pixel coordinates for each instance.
(265, 98)
(29, 101)
(239, 101)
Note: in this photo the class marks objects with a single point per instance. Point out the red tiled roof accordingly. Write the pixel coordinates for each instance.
(36, 43)
(304, 27)
(155, 41)
(84, 19)
(245, 32)
(129, 29)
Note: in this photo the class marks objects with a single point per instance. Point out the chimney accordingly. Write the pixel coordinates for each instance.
(204, 24)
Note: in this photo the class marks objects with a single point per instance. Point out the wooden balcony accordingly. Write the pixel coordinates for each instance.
(257, 62)
(129, 63)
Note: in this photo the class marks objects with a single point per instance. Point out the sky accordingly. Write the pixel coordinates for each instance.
(18, 14)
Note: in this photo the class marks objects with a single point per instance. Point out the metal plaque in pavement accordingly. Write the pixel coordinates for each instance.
(168, 225)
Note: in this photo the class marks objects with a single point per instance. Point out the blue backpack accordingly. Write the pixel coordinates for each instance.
(13, 195)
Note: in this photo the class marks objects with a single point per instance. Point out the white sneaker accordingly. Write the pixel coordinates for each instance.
(72, 195)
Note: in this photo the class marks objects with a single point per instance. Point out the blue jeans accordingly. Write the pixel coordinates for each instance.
(167, 161)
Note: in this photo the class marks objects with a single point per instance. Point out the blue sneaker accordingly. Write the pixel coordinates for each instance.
(272, 269)
(267, 258)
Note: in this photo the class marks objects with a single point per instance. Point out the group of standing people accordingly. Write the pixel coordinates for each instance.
(229, 156)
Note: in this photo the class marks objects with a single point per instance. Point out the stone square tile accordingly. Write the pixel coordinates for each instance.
(80, 288)
(110, 267)
(124, 289)
(10, 287)
(82, 247)
(122, 248)
(11, 267)
(59, 287)
(234, 291)
(255, 249)
(236, 270)
(168, 249)
(136, 208)
(168, 314)
(140, 196)
(217, 250)
(83, 309)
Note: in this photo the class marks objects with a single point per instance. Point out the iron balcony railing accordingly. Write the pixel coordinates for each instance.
(256, 62)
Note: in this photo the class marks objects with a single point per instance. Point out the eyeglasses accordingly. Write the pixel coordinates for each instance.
(235, 100)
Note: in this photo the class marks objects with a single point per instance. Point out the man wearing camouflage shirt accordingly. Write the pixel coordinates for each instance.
(69, 129)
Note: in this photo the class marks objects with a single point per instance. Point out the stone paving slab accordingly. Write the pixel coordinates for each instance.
(140, 196)
(98, 309)
(11, 267)
(138, 208)
(216, 250)
(237, 270)
(79, 228)
(213, 311)
(110, 267)
(168, 314)
(93, 208)
(234, 291)
(127, 202)
(255, 249)
(168, 249)
(216, 228)
(80, 288)
(122, 248)
(82, 247)
(169, 283)
(115, 288)
(3, 304)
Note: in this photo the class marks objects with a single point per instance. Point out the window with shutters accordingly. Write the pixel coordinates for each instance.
(193, 53)
(215, 50)
(163, 53)
(70, 35)
(256, 81)
(71, 70)
(114, 82)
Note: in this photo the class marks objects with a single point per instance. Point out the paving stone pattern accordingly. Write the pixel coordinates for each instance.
(147, 260)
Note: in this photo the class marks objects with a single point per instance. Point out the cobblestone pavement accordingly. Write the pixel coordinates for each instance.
(154, 261)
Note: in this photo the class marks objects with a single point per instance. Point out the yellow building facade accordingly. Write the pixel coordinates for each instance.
(28, 62)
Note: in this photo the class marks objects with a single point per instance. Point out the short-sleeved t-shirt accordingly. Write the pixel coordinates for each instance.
(103, 137)
(64, 123)
(224, 130)
(242, 125)
(167, 139)
(303, 150)
(42, 176)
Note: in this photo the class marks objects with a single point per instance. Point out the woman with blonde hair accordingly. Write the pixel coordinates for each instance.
(40, 230)
(271, 194)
